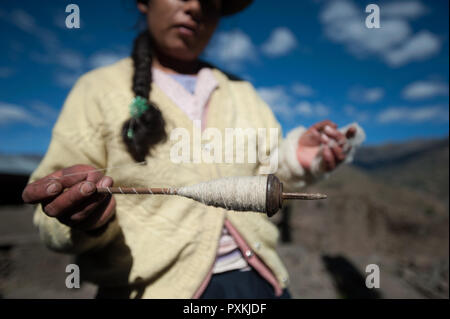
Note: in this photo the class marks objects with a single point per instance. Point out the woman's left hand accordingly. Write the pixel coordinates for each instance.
(323, 133)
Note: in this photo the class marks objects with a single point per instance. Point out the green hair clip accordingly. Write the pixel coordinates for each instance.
(137, 108)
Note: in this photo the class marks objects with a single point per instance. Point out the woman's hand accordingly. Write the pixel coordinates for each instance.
(70, 196)
(323, 133)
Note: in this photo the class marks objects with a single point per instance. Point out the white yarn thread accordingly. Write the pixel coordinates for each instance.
(246, 193)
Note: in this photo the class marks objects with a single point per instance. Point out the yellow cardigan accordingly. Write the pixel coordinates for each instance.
(157, 246)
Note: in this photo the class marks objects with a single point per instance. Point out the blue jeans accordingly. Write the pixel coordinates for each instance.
(237, 284)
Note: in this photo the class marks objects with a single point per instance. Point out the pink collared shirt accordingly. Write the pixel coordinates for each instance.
(194, 105)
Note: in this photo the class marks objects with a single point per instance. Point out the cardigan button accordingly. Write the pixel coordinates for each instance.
(248, 253)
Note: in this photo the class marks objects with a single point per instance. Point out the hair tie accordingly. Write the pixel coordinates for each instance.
(137, 107)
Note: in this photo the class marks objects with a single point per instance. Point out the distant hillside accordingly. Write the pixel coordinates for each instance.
(421, 165)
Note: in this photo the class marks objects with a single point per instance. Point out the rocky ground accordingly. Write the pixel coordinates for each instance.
(27, 268)
(404, 232)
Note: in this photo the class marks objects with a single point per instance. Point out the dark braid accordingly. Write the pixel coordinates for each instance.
(149, 128)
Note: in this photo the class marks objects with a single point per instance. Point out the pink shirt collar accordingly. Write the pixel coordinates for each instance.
(195, 104)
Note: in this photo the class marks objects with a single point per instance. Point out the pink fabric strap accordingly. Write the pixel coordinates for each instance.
(252, 260)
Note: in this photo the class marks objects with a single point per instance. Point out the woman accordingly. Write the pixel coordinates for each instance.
(166, 246)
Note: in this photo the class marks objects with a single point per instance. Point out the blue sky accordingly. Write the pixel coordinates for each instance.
(310, 60)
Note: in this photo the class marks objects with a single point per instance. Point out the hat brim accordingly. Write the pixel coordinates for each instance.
(230, 7)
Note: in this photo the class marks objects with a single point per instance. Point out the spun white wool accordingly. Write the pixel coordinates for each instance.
(246, 193)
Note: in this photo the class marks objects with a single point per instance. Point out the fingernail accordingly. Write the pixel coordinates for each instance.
(105, 182)
(53, 189)
(328, 129)
(332, 143)
(325, 138)
(87, 188)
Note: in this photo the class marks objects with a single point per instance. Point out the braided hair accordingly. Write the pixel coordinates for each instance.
(149, 128)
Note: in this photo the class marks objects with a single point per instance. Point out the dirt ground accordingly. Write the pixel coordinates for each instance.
(30, 270)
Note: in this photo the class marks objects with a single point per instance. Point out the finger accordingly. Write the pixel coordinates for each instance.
(310, 138)
(53, 184)
(70, 199)
(328, 158)
(100, 217)
(36, 193)
(334, 134)
(85, 208)
(350, 132)
(92, 203)
(338, 153)
(105, 181)
(42, 189)
(77, 173)
(324, 138)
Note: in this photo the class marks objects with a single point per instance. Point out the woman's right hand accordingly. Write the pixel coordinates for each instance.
(70, 195)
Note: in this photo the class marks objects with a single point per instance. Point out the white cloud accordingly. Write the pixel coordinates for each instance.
(278, 99)
(302, 89)
(338, 11)
(11, 113)
(422, 90)
(70, 59)
(233, 48)
(304, 108)
(44, 110)
(344, 23)
(413, 115)
(404, 9)
(419, 47)
(308, 109)
(27, 23)
(366, 95)
(66, 79)
(282, 110)
(394, 42)
(354, 113)
(281, 42)
(54, 52)
(285, 104)
(72, 63)
(23, 20)
(274, 95)
(100, 59)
